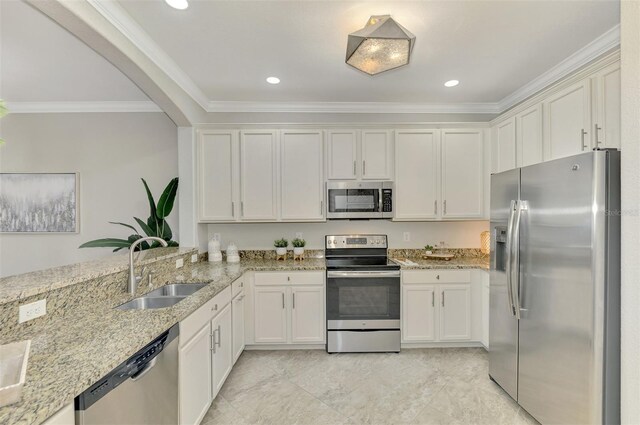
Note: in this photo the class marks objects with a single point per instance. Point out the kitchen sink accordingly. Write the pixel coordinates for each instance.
(176, 290)
(149, 303)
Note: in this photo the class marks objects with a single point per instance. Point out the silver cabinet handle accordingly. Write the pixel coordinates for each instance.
(219, 336)
(442, 293)
(582, 134)
(288, 278)
(242, 284)
(233, 209)
(433, 298)
(435, 207)
(215, 307)
(294, 300)
(321, 208)
(596, 129)
(242, 208)
(212, 339)
(364, 167)
(444, 207)
(354, 168)
(283, 300)
(438, 276)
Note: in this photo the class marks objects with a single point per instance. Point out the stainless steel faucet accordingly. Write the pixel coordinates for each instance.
(133, 279)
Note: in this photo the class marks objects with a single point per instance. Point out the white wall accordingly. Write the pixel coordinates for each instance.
(630, 144)
(111, 152)
(462, 234)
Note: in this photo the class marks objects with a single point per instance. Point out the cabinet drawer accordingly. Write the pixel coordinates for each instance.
(194, 322)
(237, 286)
(436, 276)
(292, 278)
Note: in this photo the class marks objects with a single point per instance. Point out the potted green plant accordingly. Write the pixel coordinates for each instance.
(429, 249)
(281, 246)
(298, 246)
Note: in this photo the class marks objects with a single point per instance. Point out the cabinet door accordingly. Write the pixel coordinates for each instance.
(217, 175)
(237, 321)
(567, 123)
(455, 312)
(258, 153)
(195, 377)
(416, 189)
(505, 144)
(485, 309)
(307, 314)
(376, 154)
(342, 155)
(462, 173)
(301, 175)
(418, 312)
(529, 136)
(222, 358)
(607, 118)
(270, 315)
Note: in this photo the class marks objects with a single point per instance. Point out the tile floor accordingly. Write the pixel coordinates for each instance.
(417, 386)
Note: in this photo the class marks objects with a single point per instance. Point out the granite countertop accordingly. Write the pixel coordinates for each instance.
(70, 353)
(454, 263)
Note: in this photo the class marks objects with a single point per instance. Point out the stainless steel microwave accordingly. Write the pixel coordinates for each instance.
(359, 200)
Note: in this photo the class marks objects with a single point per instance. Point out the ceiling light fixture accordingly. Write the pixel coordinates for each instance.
(273, 80)
(451, 83)
(383, 44)
(178, 4)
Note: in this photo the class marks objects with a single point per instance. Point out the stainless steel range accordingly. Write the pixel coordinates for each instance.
(363, 295)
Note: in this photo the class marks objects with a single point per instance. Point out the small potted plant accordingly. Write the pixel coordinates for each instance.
(298, 247)
(429, 249)
(281, 247)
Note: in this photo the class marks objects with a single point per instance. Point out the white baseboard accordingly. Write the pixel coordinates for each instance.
(465, 344)
(285, 347)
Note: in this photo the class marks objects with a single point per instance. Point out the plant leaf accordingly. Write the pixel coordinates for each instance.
(107, 243)
(152, 206)
(144, 245)
(165, 203)
(125, 225)
(145, 227)
(167, 234)
(173, 243)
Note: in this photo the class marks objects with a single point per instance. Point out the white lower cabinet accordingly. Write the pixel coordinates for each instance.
(237, 322)
(222, 352)
(440, 306)
(288, 308)
(485, 308)
(205, 356)
(455, 312)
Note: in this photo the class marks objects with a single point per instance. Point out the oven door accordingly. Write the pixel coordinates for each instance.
(354, 200)
(363, 299)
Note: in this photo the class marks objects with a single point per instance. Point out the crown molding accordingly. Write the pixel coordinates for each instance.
(82, 107)
(119, 18)
(354, 107)
(606, 42)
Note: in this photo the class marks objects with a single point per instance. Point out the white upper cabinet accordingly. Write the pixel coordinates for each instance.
(301, 176)
(342, 155)
(376, 151)
(218, 178)
(568, 121)
(504, 136)
(606, 127)
(462, 173)
(258, 176)
(529, 136)
(416, 183)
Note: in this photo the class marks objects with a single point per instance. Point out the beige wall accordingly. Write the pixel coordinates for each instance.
(630, 138)
(462, 234)
(111, 152)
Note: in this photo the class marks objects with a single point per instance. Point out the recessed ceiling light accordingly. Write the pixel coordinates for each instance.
(178, 4)
(451, 83)
(273, 80)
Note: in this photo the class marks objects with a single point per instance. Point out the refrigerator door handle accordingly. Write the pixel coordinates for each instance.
(515, 257)
(509, 250)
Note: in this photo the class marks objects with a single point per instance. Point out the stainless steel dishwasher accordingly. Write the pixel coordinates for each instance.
(143, 390)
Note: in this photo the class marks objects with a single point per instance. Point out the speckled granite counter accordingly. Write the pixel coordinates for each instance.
(455, 263)
(70, 352)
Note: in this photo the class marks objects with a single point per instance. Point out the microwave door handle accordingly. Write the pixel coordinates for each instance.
(515, 269)
(509, 248)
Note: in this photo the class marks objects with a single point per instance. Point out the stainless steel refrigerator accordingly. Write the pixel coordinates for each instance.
(554, 338)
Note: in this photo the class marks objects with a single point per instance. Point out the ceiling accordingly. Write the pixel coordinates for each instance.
(228, 48)
(51, 65)
(224, 50)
